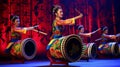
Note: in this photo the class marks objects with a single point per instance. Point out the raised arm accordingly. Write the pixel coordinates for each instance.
(70, 21)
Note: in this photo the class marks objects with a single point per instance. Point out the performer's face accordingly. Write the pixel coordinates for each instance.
(106, 31)
(17, 22)
(59, 13)
(82, 30)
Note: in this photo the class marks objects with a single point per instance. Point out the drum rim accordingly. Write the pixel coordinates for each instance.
(113, 48)
(64, 51)
(119, 48)
(89, 50)
(22, 49)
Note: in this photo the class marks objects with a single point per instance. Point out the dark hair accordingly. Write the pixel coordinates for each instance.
(14, 17)
(80, 27)
(104, 28)
(55, 8)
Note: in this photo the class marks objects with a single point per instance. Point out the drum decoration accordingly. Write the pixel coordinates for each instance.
(68, 48)
(119, 48)
(111, 48)
(89, 50)
(118, 38)
(24, 49)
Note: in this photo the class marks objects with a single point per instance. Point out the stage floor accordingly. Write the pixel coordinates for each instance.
(81, 63)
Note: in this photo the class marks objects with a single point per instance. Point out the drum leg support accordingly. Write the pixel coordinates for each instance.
(12, 59)
(53, 61)
(16, 60)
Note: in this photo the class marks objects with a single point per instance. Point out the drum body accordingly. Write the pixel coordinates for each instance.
(68, 48)
(89, 50)
(119, 48)
(118, 38)
(111, 48)
(24, 49)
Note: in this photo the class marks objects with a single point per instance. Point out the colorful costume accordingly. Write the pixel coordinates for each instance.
(58, 29)
(15, 37)
(103, 42)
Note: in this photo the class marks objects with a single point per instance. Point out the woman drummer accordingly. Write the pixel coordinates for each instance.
(16, 31)
(58, 23)
(105, 37)
(57, 29)
(82, 35)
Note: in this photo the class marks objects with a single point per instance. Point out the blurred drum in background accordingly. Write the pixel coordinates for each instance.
(89, 50)
(118, 38)
(110, 49)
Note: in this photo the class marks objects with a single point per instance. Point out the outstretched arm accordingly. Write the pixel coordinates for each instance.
(85, 34)
(95, 31)
(110, 36)
(30, 28)
(25, 29)
(89, 34)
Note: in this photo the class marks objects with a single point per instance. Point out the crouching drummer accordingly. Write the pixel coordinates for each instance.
(16, 31)
(105, 37)
(58, 23)
(83, 35)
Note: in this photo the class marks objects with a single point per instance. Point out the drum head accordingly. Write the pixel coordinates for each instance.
(72, 49)
(28, 48)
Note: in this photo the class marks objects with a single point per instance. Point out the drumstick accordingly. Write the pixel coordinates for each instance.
(95, 31)
(40, 32)
(77, 11)
(99, 39)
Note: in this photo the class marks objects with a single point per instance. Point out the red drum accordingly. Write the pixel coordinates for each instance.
(24, 49)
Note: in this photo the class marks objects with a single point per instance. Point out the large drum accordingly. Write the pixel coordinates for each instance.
(24, 49)
(68, 48)
(111, 48)
(89, 50)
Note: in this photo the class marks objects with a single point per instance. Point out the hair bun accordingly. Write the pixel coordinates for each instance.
(103, 28)
(55, 8)
(79, 27)
(13, 17)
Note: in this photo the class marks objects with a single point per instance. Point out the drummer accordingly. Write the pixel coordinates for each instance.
(58, 23)
(82, 34)
(105, 37)
(16, 30)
